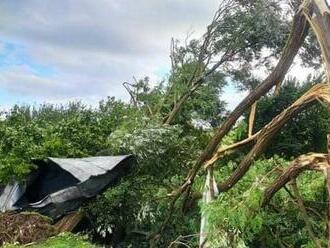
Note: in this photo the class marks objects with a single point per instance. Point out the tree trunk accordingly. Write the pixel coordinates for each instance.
(318, 92)
(297, 36)
(320, 23)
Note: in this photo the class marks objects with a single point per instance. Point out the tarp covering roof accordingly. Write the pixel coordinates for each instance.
(60, 185)
(85, 168)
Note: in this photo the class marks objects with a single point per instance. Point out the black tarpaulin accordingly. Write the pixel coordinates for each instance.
(60, 185)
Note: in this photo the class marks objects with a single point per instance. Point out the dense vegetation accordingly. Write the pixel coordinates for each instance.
(63, 240)
(166, 146)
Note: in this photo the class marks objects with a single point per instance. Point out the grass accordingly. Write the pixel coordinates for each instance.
(63, 240)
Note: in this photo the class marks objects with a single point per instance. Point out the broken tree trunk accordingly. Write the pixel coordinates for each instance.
(311, 161)
(320, 22)
(316, 93)
(297, 36)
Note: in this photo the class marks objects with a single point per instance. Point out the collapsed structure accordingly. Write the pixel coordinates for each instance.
(58, 186)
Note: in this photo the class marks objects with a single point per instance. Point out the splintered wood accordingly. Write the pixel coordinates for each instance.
(320, 22)
(311, 161)
(318, 93)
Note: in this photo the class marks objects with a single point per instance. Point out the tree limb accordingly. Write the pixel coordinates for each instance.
(311, 161)
(304, 214)
(319, 92)
(297, 36)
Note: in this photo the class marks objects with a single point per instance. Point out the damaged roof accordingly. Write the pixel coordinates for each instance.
(60, 185)
(85, 168)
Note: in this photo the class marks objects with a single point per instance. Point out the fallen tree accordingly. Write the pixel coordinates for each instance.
(313, 161)
(296, 38)
(320, 92)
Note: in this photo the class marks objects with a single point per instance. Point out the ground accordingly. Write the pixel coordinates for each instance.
(63, 240)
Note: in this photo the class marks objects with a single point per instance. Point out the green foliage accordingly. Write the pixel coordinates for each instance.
(162, 154)
(72, 131)
(237, 219)
(236, 216)
(304, 133)
(63, 240)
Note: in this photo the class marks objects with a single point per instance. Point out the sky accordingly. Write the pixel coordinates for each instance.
(60, 51)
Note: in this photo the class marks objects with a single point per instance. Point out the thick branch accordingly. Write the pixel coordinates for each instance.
(316, 93)
(312, 161)
(296, 38)
(320, 23)
(222, 151)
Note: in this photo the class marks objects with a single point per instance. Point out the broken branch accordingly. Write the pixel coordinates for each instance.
(311, 161)
(319, 92)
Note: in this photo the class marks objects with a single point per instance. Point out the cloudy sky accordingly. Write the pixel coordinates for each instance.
(57, 51)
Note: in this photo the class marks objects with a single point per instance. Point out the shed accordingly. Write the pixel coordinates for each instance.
(60, 185)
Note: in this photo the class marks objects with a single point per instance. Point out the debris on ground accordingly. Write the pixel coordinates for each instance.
(24, 228)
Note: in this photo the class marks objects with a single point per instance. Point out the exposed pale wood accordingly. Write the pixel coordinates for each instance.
(297, 36)
(277, 89)
(320, 92)
(209, 194)
(69, 222)
(252, 116)
(222, 151)
(320, 22)
(311, 161)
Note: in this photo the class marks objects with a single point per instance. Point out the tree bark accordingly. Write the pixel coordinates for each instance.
(320, 23)
(316, 93)
(222, 151)
(312, 161)
(297, 36)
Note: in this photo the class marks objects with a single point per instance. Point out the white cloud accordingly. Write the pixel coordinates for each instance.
(93, 46)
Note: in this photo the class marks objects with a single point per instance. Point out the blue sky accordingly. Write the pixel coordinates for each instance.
(59, 51)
